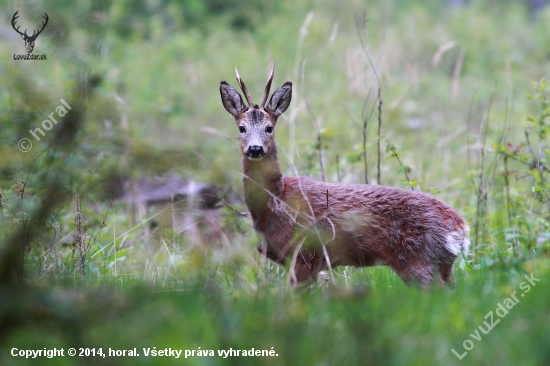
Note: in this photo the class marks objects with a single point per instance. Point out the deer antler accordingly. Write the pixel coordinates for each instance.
(268, 86)
(13, 19)
(244, 89)
(34, 34)
(43, 25)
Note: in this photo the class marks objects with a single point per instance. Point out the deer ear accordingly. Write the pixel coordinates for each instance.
(231, 99)
(280, 100)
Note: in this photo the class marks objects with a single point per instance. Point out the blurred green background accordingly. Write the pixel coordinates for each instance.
(109, 234)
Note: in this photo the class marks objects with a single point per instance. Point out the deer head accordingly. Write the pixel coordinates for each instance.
(29, 40)
(256, 122)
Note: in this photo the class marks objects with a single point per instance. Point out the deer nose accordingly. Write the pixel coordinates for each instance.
(255, 151)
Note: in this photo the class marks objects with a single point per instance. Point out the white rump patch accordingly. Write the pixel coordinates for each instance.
(459, 240)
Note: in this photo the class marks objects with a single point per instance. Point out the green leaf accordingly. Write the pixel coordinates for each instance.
(353, 158)
(434, 190)
(412, 183)
(404, 169)
(327, 133)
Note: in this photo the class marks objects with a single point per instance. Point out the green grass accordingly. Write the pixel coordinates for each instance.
(395, 324)
(147, 103)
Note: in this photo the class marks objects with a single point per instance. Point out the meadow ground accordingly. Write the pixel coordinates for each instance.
(465, 117)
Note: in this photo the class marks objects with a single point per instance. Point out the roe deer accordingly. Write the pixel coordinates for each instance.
(319, 225)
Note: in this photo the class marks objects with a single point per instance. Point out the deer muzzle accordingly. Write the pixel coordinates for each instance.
(255, 152)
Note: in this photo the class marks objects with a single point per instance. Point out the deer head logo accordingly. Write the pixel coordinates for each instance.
(29, 40)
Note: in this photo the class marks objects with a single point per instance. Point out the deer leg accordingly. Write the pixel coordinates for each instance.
(270, 253)
(446, 272)
(307, 266)
(418, 273)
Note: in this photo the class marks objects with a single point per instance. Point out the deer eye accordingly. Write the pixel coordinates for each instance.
(269, 129)
(242, 129)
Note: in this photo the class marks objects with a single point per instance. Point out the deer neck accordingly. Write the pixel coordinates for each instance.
(262, 180)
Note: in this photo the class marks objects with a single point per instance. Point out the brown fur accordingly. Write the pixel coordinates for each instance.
(415, 234)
